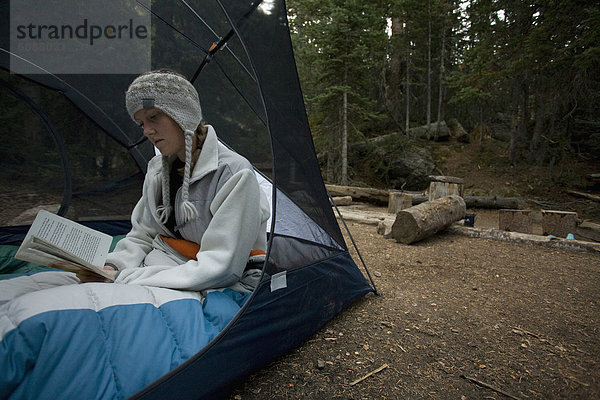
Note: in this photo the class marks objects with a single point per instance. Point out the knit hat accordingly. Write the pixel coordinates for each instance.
(176, 97)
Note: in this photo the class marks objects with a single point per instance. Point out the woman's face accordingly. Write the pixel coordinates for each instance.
(163, 132)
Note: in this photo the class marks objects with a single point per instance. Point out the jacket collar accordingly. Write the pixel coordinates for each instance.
(208, 160)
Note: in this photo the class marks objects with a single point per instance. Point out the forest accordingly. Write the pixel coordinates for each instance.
(373, 67)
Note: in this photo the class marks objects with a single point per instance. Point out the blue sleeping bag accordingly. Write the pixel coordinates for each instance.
(98, 340)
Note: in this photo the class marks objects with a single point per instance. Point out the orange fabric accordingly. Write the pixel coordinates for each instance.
(184, 247)
(190, 249)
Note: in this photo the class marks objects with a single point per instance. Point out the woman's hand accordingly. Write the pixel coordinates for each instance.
(89, 277)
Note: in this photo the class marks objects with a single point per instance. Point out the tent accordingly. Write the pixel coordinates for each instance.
(69, 145)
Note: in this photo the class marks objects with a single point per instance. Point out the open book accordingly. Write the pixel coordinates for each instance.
(57, 242)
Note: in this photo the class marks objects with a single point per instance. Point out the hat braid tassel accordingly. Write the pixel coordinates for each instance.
(188, 211)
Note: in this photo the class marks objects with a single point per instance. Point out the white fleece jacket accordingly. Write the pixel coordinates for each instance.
(233, 213)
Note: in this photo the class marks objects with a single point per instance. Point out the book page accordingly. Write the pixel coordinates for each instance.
(85, 243)
(48, 259)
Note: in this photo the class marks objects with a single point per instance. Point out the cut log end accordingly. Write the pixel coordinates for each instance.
(423, 220)
(405, 228)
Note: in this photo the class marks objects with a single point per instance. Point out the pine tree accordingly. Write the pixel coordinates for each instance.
(346, 41)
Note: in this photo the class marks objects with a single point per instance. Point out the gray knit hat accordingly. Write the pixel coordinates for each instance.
(176, 97)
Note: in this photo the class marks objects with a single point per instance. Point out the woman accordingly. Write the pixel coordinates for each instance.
(202, 216)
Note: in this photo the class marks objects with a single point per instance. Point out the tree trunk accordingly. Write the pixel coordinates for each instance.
(394, 88)
(344, 151)
(534, 147)
(407, 90)
(330, 157)
(429, 69)
(480, 126)
(426, 219)
(441, 80)
(514, 120)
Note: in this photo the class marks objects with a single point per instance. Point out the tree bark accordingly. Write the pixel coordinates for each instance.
(441, 78)
(330, 157)
(514, 121)
(407, 90)
(344, 151)
(428, 69)
(535, 153)
(426, 219)
(394, 87)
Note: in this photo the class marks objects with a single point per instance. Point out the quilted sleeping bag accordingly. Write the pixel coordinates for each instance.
(98, 340)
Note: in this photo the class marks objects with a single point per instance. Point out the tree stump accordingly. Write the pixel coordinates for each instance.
(515, 221)
(399, 201)
(559, 223)
(442, 186)
(424, 220)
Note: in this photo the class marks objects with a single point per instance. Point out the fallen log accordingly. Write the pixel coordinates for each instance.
(381, 197)
(423, 220)
(342, 200)
(370, 195)
(584, 195)
(554, 242)
(366, 217)
(491, 202)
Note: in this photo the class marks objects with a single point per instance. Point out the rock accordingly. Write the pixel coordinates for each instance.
(320, 364)
(433, 133)
(412, 170)
(500, 127)
(457, 131)
(385, 228)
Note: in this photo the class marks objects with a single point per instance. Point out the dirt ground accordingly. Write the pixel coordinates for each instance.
(459, 317)
(455, 318)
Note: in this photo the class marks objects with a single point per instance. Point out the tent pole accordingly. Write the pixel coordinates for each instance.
(354, 244)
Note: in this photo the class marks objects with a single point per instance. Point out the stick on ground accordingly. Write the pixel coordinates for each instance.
(384, 366)
(488, 386)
